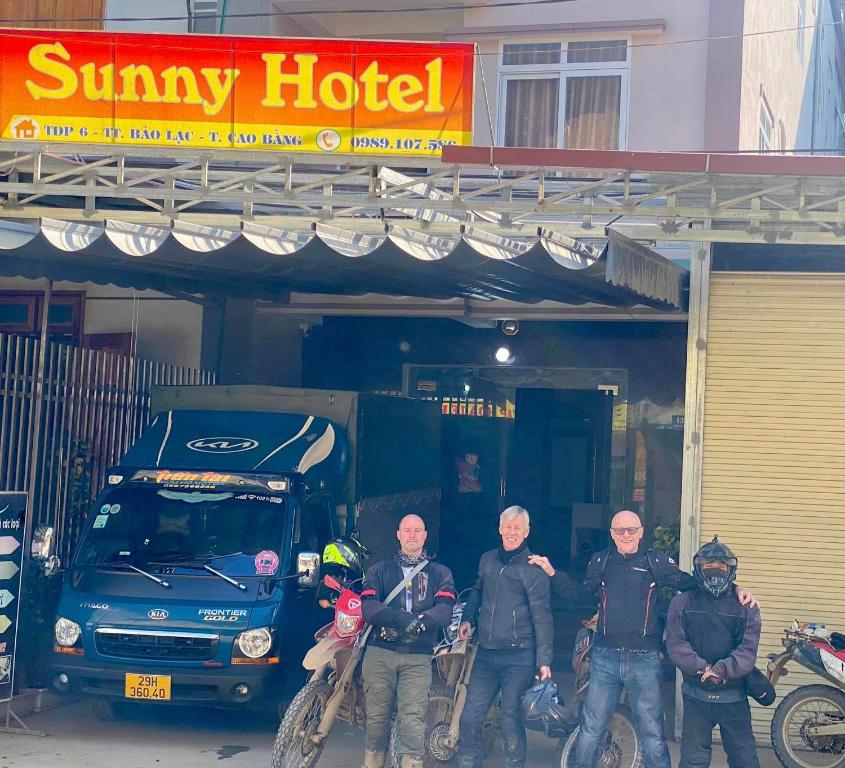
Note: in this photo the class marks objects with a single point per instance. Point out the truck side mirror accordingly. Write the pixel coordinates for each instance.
(308, 569)
(42, 543)
(41, 549)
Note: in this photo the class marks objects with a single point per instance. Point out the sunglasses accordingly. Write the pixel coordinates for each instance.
(623, 531)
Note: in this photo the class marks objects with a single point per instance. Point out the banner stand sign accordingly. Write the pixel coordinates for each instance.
(13, 508)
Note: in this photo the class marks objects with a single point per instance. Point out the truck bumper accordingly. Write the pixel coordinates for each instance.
(221, 686)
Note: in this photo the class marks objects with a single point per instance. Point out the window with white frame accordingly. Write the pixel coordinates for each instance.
(767, 126)
(556, 94)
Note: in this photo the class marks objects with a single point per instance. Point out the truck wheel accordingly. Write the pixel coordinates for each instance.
(294, 747)
(805, 707)
(620, 749)
(105, 710)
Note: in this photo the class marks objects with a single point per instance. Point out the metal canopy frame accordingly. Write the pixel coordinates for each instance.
(640, 198)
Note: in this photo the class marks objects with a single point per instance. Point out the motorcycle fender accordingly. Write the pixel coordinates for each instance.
(322, 653)
(342, 658)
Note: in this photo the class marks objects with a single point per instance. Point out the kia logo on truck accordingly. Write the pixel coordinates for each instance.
(158, 614)
(222, 444)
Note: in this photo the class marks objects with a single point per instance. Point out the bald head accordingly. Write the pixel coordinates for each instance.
(411, 535)
(626, 530)
(625, 518)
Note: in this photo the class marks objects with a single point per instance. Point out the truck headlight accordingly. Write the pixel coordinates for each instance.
(255, 643)
(67, 632)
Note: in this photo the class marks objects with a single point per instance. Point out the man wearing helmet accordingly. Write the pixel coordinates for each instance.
(397, 664)
(713, 640)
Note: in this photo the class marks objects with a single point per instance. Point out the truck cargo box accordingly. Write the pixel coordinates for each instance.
(394, 448)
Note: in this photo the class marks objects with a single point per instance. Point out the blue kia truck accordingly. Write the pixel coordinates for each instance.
(194, 579)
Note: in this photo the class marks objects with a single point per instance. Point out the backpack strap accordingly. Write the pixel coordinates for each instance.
(405, 581)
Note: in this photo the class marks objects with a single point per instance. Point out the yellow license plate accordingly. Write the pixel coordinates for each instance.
(147, 687)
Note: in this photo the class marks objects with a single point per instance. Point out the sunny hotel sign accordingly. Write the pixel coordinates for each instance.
(242, 93)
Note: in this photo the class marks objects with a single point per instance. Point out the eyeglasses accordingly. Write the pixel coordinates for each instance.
(623, 531)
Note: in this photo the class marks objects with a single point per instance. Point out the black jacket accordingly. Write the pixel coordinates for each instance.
(703, 630)
(566, 588)
(628, 590)
(509, 604)
(433, 596)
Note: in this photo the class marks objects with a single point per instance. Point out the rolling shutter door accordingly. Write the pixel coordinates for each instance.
(773, 474)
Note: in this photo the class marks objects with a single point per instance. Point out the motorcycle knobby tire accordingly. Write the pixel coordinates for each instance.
(621, 747)
(292, 747)
(782, 721)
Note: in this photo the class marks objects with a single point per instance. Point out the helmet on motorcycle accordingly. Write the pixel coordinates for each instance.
(714, 567)
(347, 553)
(541, 710)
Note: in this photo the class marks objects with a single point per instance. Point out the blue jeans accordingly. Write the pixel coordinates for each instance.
(512, 672)
(640, 675)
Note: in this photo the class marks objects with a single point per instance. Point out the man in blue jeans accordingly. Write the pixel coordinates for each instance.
(626, 580)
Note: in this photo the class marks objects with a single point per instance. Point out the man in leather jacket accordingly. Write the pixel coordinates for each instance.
(509, 611)
(397, 664)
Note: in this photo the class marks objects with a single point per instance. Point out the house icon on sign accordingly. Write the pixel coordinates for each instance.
(26, 129)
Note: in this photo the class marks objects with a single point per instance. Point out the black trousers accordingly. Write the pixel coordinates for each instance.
(508, 671)
(734, 721)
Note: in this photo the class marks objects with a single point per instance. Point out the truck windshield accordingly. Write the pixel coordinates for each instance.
(149, 525)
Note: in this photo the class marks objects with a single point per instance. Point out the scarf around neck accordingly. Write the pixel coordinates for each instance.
(406, 561)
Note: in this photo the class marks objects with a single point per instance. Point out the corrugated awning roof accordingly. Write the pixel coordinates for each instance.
(266, 262)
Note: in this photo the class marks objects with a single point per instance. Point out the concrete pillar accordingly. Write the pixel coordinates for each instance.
(237, 342)
(246, 346)
(278, 350)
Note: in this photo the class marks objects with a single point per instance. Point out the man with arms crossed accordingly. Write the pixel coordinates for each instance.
(397, 665)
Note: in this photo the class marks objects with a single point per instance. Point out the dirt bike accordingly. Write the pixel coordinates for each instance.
(808, 729)
(621, 747)
(453, 661)
(333, 690)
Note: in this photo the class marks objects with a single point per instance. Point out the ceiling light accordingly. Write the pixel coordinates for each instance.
(503, 355)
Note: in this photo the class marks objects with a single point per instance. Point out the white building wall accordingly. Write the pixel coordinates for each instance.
(167, 330)
(794, 72)
(145, 9)
(666, 85)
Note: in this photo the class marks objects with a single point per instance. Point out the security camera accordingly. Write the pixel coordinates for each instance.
(510, 327)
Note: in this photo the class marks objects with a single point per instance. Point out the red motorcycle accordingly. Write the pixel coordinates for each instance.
(334, 690)
(808, 729)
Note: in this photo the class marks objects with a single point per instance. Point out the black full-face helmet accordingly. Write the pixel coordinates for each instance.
(714, 567)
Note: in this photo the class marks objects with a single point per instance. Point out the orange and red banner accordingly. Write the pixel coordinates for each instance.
(299, 95)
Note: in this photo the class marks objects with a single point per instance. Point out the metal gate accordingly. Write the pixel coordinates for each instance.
(66, 417)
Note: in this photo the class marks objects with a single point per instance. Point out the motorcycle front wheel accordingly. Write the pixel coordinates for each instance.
(620, 749)
(294, 746)
(805, 708)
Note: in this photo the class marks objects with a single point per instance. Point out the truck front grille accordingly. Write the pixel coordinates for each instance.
(142, 644)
